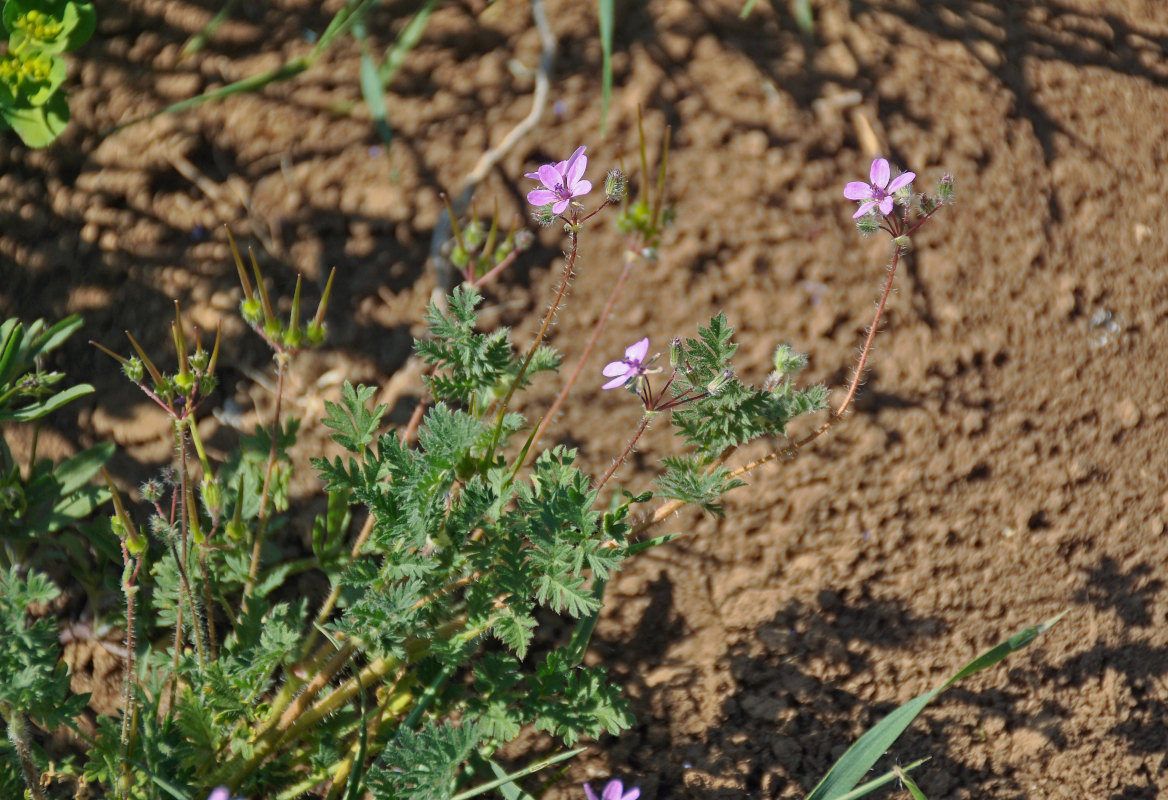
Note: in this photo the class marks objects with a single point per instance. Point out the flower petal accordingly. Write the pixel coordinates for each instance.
(541, 197)
(858, 190)
(559, 207)
(880, 173)
(614, 368)
(581, 188)
(616, 382)
(589, 794)
(533, 175)
(632, 794)
(900, 181)
(635, 352)
(550, 177)
(864, 208)
(219, 793)
(886, 206)
(576, 166)
(613, 790)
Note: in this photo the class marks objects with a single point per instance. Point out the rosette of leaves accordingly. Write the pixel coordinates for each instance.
(32, 68)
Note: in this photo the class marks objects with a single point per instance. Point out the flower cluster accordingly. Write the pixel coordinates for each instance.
(562, 183)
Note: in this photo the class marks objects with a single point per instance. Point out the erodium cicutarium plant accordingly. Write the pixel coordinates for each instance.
(413, 647)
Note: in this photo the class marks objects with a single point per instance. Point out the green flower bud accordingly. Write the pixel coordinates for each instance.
(133, 369)
(868, 225)
(212, 496)
(903, 242)
(473, 235)
(252, 311)
(459, 257)
(544, 216)
(787, 361)
(293, 338)
(184, 384)
(945, 188)
(236, 531)
(675, 352)
(198, 361)
(929, 204)
(316, 333)
(152, 491)
(720, 382)
(615, 186)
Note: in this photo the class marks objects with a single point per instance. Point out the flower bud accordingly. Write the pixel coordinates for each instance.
(133, 369)
(544, 216)
(903, 242)
(459, 257)
(212, 496)
(720, 382)
(317, 333)
(152, 491)
(675, 352)
(198, 361)
(787, 361)
(929, 204)
(868, 225)
(184, 383)
(473, 235)
(524, 239)
(614, 186)
(252, 311)
(945, 188)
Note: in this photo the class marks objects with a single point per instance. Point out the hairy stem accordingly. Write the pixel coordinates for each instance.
(630, 259)
(18, 736)
(627, 451)
(265, 494)
(672, 506)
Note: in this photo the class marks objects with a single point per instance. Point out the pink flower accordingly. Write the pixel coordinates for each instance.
(629, 368)
(879, 192)
(613, 790)
(220, 793)
(562, 182)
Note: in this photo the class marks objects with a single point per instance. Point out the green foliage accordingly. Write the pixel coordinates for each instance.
(32, 69)
(472, 369)
(737, 413)
(686, 480)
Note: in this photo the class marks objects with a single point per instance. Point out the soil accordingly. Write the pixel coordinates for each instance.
(1005, 461)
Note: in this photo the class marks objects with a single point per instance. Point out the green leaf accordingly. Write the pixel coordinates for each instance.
(859, 758)
(505, 779)
(46, 407)
(605, 14)
(355, 425)
(40, 126)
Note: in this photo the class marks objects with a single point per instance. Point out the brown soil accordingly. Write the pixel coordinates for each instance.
(1006, 458)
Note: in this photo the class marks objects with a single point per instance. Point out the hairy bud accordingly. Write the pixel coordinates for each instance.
(615, 186)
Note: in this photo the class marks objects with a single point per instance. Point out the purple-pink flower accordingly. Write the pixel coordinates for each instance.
(220, 793)
(562, 182)
(879, 192)
(628, 368)
(613, 790)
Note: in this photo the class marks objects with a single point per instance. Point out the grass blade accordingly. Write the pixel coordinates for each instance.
(605, 11)
(860, 757)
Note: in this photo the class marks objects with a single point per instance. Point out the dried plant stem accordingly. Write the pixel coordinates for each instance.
(265, 494)
(627, 451)
(672, 506)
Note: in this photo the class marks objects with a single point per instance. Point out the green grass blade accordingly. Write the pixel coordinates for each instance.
(804, 16)
(747, 7)
(605, 11)
(409, 37)
(373, 92)
(860, 757)
(523, 773)
(883, 780)
(910, 784)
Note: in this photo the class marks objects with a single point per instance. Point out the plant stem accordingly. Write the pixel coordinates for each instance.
(128, 694)
(628, 450)
(565, 279)
(630, 259)
(670, 507)
(265, 495)
(18, 735)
